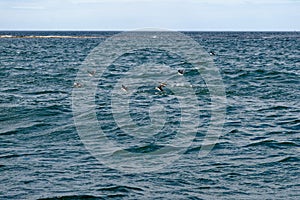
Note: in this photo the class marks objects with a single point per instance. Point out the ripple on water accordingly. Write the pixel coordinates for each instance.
(257, 157)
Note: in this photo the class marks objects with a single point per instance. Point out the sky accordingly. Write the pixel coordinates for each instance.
(189, 15)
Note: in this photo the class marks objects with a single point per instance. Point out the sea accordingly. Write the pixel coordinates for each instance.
(78, 124)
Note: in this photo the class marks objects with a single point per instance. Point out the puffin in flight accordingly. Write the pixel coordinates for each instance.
(124, 88)
(77, 85)
(160, 87)
(180, 71)
(91, 73)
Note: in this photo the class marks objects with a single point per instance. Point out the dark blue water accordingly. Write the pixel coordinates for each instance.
(257, 156)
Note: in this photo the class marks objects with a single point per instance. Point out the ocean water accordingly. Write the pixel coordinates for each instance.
(43, 154)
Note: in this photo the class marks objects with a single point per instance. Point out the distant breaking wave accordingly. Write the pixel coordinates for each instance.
(49, 36)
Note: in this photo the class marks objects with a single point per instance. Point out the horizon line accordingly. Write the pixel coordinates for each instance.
(124, 30)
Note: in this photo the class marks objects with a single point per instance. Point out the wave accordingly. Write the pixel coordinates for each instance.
(119, 192)
(77, 197)
(273, 144)
(289, 159)
(50, 36)
(121, 189)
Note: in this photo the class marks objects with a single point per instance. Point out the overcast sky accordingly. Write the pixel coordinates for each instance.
(239, 15)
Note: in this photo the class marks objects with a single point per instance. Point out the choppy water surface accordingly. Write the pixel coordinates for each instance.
(257, 156)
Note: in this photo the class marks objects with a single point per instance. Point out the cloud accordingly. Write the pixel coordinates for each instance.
(242, 2)
(42, 4)
(29, 7)
(189, 1)
(111, 1)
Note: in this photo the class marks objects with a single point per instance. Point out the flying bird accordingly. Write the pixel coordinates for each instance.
(124, 88)
(212, 53)
(91, 73)
(160, 87)
(180, 71)
(77, 85)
